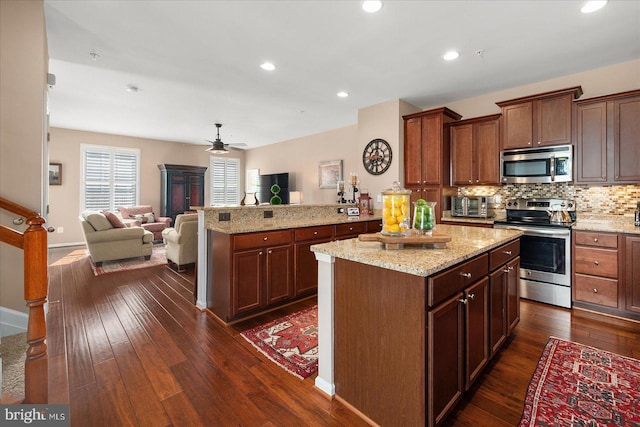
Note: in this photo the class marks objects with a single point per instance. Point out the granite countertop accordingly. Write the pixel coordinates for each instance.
(278, 224)
(607, 223)
(466, 242)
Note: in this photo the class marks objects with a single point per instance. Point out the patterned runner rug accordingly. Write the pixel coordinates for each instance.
(577, 385)
(291, 341)
(158, 257)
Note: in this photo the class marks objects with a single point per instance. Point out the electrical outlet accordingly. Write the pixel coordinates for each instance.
(268, 214)
(224, 216)
(340, 210)
(379, 198)
(60, 230)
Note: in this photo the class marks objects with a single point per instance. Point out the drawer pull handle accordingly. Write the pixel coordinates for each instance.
(315, 233)
(350, 228)
(472, 296)
(508, 269)
(464, 301)
(260, 253)
(270, 252)
(595, 291)
(595, 239)
(466, 275)
(265, 239)
(506, 252)
(596, 262)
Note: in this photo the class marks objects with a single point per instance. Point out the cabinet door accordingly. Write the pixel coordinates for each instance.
(517, 130)
(477, 330)
(487, 153)
(626, 139)
(413, 151)
(513, 294)
(432, 149)
(306, 268)
(497, 309)
(591, 142)
(462, 155)
(632, 273)
(278, 273)
(177, 194)
(247, 281)
(553, 120)
(195, 188)
(445, 363)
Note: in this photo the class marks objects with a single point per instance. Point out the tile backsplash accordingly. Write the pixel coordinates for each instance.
(591, 199)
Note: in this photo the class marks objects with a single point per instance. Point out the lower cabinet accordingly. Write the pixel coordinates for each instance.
(504, 302)
(632, 273)
(306, 266)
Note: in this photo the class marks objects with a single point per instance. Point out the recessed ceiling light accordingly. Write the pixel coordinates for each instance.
(451, 55)
(592, 6)
(268, 66)
(371, 6)
(132, 89)
(342, 94)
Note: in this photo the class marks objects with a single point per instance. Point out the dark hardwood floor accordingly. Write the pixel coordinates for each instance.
(130, 348)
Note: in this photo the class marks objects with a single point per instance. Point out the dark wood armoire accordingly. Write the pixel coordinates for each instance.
(181, 187)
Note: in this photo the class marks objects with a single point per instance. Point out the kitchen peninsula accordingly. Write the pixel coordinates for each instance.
(404, 333)
(254, 258)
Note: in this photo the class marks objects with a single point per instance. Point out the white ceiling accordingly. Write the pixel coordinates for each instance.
(197, 62)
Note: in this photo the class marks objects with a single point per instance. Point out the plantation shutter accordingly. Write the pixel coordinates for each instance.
(225, 181)
(109, 177)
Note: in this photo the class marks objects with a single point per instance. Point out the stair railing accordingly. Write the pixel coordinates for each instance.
(33, 243)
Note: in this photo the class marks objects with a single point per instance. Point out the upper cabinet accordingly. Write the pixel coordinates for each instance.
(475, 151)
(608, 139)
(543, 119)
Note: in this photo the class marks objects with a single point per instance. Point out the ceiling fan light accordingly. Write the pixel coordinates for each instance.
(214, 150)
(592, 6)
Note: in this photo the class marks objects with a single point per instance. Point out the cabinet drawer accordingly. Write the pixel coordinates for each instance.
(312, 233)
(504, 253)
(597, 262)
(374, 226)
(601, 240)
(597, 290)
(259, 240)
(351, 228)
(445, 284)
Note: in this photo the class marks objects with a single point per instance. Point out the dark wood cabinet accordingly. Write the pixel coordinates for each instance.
(608, 139)
(475, 151)
(538, 120)
(632, 273)
(427, 155)
(180, 187)
(477, 330)
(306, 266)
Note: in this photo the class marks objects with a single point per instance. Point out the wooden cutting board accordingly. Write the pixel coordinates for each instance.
(435, 240)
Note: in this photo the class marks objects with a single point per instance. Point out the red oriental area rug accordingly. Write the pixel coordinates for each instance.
(291, 341)
(577, 385)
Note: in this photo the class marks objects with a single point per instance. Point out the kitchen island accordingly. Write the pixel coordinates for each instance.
(403, 333)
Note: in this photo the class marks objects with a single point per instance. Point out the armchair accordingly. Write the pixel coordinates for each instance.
(106, 243)
(182, 240)
(143, 216)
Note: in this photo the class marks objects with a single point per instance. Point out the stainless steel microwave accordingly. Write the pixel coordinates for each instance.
(471, 206)
(533, 165)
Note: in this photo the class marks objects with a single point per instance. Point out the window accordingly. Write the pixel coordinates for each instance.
(225, 181)
(109, 177)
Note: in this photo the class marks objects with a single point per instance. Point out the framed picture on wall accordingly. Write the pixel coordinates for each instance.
(55, 173)
(329, 173)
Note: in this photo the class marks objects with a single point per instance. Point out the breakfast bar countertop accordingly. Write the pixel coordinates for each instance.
(466, 242)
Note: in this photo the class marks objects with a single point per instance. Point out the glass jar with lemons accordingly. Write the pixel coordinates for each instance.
(395, 211)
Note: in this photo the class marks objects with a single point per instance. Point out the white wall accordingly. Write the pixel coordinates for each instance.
(23, 76)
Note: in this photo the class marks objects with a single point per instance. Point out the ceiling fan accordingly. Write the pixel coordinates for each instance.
(219, 147)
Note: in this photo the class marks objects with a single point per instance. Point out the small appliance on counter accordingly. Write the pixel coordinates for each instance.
(472, 206)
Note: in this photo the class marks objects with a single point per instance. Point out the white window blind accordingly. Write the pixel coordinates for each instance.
(225, 181)
(110, 177)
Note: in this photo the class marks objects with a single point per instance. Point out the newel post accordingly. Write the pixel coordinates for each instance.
(36, 283)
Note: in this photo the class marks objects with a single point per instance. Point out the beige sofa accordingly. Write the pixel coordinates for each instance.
(106, 243)
(182, 240)
(143, 215)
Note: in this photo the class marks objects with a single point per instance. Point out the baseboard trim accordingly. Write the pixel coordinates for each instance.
(64, 245)
(12, 322)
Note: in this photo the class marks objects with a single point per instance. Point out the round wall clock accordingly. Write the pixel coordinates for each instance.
(376, 157)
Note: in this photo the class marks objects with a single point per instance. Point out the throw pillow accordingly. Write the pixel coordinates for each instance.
(115, 221)
(141, 218)
(98, 221)
(150, 217)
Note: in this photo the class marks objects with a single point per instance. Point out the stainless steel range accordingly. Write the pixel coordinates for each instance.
(545, 247)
